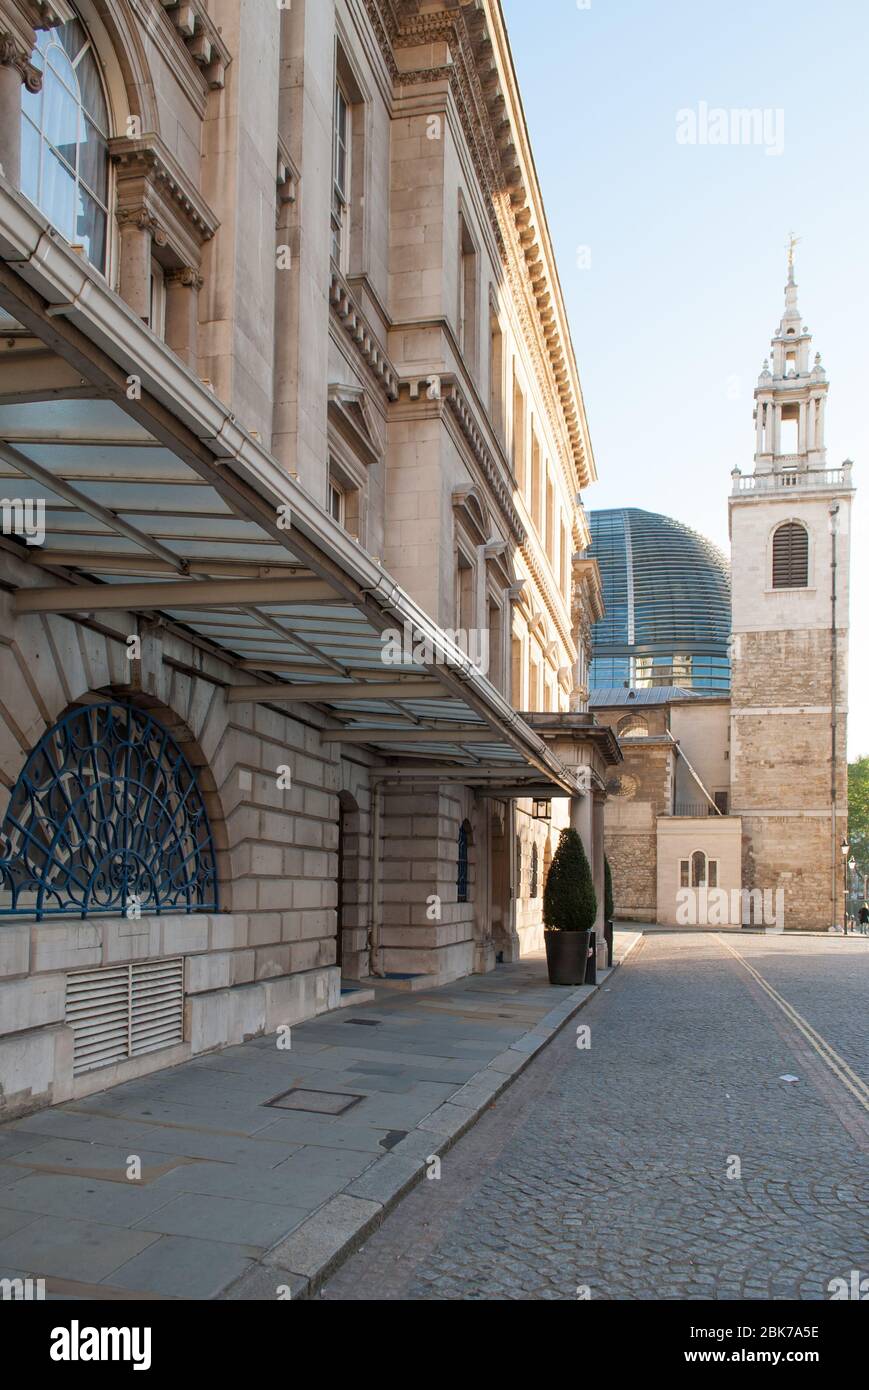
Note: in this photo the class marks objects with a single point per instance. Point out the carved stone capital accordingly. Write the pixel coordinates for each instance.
(14, 55)
(144, 221)
(187, 277)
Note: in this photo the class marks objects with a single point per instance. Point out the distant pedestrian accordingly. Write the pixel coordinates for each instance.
(864, 916)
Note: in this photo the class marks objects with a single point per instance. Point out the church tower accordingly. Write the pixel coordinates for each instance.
(790, 529)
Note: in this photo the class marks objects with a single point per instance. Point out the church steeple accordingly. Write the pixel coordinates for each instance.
(791, 394)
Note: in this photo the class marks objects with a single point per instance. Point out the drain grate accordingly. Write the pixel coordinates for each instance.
(314, 1102)
(364, 1022)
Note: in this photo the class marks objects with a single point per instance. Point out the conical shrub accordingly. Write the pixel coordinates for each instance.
(569, 899)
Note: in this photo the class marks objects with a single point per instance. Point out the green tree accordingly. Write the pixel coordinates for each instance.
(858, 813)
(569, 899)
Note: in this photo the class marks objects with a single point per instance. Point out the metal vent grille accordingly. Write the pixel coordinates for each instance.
(124, 1011)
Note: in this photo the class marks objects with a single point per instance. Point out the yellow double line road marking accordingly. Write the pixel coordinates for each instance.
(855, 1084)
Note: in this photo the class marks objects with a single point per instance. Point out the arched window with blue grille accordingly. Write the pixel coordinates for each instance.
(463, 876)
(106, 817)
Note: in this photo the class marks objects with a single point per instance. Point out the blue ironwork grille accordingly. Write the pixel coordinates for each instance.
(106, 817)
(462, 881)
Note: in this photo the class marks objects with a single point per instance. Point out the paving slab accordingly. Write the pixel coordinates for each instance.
(244, 1199)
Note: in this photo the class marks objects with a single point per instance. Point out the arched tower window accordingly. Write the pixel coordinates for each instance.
(64, 140)
(790, 556)
(463, 875)
(106, 817)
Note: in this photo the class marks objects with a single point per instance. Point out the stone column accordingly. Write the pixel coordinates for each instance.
(137, 230)
(812, 408)
(801, 434)
(759, 427)
(15, 68)
(597, 864)
(182, 313)
(581, 820)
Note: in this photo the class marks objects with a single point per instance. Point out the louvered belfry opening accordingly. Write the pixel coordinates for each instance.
(124, 1011)
(790, 557)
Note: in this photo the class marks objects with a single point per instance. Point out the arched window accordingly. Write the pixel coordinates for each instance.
(535, 872)
(633, 726)
(699, 871)
(106, 817)
(64, 140)
(463, 876)
(790, 556)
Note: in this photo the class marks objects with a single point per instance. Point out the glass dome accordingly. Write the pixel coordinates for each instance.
(668, 604)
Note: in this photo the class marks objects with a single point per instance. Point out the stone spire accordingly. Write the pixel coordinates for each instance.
(791, 393)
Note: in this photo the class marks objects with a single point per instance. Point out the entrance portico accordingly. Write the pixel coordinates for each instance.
(588, 749)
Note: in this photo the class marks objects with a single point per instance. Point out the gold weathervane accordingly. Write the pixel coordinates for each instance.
(793, 243)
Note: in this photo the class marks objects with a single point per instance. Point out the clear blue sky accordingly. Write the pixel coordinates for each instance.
(672, 320)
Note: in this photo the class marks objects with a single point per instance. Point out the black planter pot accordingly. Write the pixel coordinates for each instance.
(608, 938)
(566, 956)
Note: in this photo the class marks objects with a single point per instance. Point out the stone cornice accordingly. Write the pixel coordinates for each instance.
(152, 187)
(201, 37)
(20, 19)
(358, 330)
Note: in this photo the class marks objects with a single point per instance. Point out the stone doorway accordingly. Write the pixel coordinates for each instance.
(501, 890)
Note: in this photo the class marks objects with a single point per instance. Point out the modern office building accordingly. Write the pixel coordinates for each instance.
(667, 597)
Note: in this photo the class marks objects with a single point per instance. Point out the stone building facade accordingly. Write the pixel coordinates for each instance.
(295, 603)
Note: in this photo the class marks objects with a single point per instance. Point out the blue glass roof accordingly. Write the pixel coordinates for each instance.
(668, 604)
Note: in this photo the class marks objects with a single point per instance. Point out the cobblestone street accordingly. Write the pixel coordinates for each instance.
(608, 1168)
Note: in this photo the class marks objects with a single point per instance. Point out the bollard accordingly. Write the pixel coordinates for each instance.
(591, 964)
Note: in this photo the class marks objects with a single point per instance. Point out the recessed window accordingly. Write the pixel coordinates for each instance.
(337, 503)
(64, 140)
(535, 872)
(157, 318)
(790, 556)
(496, 375)
(468, 295)
(341, 178)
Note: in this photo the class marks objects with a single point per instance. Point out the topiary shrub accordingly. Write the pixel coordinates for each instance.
(608, 909)
(569, 901)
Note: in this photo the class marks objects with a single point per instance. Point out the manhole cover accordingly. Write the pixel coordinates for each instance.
(315, 1102)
